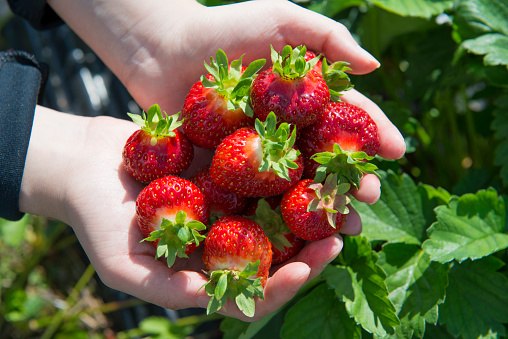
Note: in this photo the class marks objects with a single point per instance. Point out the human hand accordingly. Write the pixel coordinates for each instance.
(157, 49)
(85, 186)
(99, 201)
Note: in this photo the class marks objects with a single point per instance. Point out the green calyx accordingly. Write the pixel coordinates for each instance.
(336, 78)
(156, 124)
(230, 82)
(272, 223)
(277, 143)
(291, 63)
(349, 166)
(330, 197)
(235, 285)
(175, 236)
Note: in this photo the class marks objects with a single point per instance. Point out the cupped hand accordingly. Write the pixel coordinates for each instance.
(99, 204)
(172, 42)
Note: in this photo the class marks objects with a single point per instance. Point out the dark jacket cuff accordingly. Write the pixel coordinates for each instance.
(21, 79)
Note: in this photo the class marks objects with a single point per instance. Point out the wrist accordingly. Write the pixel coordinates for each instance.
(56, 139)
(124, 33)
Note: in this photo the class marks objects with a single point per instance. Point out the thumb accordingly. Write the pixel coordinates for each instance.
(324, 35)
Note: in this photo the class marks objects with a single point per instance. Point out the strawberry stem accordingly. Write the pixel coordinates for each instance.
(229, 80)
(291, 63)
(155, 123)
(272, 224)
(235, 285)
(277, 143)
(174, 237)
(330, 197)
(336, 78)
(349, 166)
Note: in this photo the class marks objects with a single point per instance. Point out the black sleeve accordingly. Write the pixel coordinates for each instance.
(21, 78)
(36, 12)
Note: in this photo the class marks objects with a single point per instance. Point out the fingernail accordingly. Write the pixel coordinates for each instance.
(336, 249)
(369, 56)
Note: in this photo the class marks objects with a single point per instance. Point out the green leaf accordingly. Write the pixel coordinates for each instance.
(476, 17)
(364, 292)
(246, 304)
(163, 328)
(494, 46)
(471, 227)
(236, 329)
(331, 8)
(483, 26)
(398, 216)
(221, 287)
(214, 305)
(319, 314)
(250, 270)
(416, 284)
(415, 8)
(476, 299)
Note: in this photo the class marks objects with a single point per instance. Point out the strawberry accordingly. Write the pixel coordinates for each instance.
(315, 211)
(172, 213)
(220, 201)
(258, 161)
(237, 255)
(291, 89)
(217, 105)
(158, 148)
(267, 214)
(340, 141)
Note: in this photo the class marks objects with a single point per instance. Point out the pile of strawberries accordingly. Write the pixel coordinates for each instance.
(287, 151)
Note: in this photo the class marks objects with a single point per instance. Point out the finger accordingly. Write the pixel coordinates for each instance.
(392, 145)
(319, 253)
(283, 286)
(353, 224)
(153, 281)
(369, 191)
(325, 35)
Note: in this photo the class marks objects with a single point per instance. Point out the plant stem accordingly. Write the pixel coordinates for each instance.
(71, 300)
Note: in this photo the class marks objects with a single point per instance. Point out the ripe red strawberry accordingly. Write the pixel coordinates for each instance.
(340, 141)
(220, 201)
(258, 161)
(238, 256)
(216, 106)
(291, 89)
(157, 149)
(315, 211)
(172, 213)
(267, 214)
